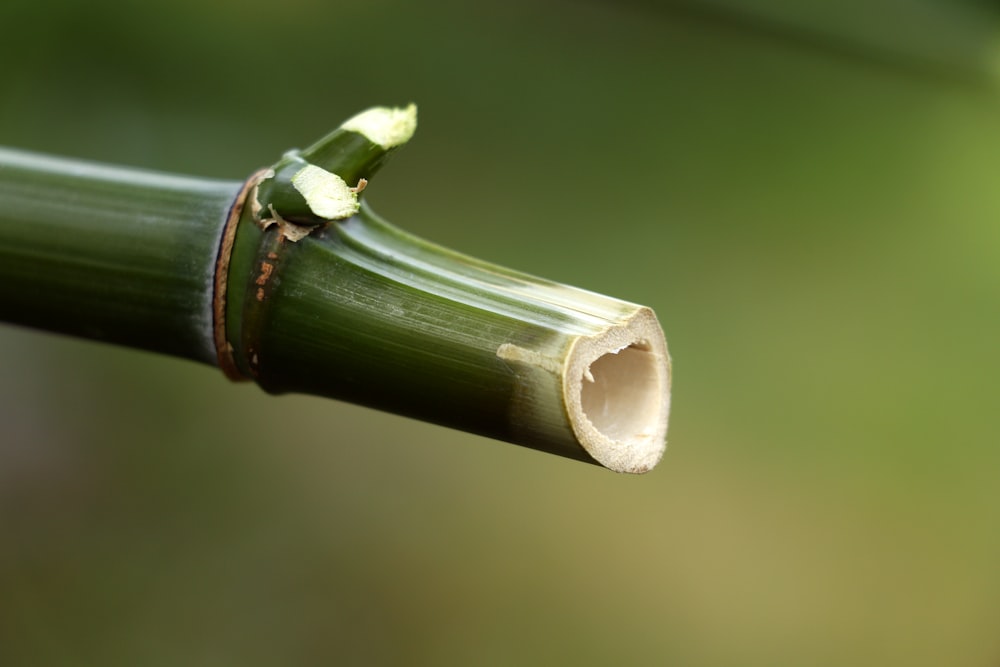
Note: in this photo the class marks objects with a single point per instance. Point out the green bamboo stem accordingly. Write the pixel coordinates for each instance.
(321, 296)
(119, 255)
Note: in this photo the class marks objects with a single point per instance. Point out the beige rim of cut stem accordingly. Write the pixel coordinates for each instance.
(617, 391)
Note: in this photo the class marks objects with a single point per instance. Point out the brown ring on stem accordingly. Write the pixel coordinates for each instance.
(223, 349)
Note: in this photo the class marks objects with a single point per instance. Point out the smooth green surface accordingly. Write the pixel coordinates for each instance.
(121, 256)
(817, 233)
(362, 311)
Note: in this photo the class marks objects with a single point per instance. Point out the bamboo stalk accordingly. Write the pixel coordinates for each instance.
(301, 287)
(119, 255)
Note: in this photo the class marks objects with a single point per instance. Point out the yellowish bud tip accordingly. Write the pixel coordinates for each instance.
(388, 127)
(327, 195)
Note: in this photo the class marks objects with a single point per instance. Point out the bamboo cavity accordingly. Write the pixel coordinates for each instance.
(617, 392)
(620, 400)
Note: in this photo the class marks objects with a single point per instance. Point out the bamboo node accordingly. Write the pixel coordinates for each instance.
(223, 349)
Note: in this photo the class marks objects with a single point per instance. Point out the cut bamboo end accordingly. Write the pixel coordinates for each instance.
(617, 391)
(385, 126)
(326, 194)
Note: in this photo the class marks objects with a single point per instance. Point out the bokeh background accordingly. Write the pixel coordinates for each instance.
(806, 193)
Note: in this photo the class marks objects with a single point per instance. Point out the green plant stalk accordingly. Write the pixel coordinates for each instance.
(114, 254)
(323, 297)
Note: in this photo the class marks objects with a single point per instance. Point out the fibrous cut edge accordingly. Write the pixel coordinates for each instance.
(616, 387)
(386, 126)
(326, 194)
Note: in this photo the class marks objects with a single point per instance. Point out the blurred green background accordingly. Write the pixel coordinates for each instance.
(807, 194)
